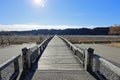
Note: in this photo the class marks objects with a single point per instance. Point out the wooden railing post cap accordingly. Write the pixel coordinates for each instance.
(90, 50)
(25, 49)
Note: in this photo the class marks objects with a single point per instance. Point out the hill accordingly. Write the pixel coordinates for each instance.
(81, 31)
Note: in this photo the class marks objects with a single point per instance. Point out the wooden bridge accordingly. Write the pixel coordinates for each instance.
(57, 59)
(59, 63)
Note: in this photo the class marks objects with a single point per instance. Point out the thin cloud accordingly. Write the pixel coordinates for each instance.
(23, 27)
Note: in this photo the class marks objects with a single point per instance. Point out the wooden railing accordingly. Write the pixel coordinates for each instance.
(30, 55)
(79, 53)
(16, 66)
(109, 72)
(94, 63)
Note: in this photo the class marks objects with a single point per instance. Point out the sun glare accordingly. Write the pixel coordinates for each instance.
(39, 3)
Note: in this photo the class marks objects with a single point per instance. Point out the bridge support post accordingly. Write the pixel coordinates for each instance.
(26, 59)
(38, 50)
(89, 59)
(16, 68)
(41, 49)
(16, 65)
(75, 51)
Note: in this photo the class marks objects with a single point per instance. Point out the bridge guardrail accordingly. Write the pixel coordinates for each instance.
(14, 60)
(94, 63)
(103, 68)
(79, 53)
(30, 55)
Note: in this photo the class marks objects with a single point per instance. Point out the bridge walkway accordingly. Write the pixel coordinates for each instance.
(58, 63)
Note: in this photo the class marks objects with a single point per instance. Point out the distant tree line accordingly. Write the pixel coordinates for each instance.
(81, 31)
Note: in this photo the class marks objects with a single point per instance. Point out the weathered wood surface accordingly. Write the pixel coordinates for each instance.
(110, 53)
(31, 55)
(9, 61)
(11, 51)
(59, 63)
(106, 64)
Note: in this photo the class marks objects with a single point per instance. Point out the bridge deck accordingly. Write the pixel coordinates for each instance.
(59, 63)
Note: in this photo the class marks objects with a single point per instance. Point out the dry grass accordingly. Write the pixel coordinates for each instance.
(91, 39)
(114, 45)
(25, 39)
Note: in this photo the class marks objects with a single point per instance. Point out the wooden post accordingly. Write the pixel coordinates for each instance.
(38, 50)
(29, 59)
(26, 58)
(43, 46)
(70, 47)
(41, 49)
(16, 65)
(89, 59)
(0, 76)
(75, 51)
(84, 58)
(68, 44)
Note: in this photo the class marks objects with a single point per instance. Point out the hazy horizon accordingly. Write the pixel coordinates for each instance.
(26, 27)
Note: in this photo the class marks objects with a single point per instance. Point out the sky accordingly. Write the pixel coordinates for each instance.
(58, 14)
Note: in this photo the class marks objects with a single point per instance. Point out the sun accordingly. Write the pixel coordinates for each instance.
(39, 3)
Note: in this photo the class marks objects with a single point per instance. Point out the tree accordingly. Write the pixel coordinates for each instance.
(1, 41)
(8, 39)
(40, 39)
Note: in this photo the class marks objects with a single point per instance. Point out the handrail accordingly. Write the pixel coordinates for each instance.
(87, 56)
(108, 64)
(7, 63)
(95, 63)
(79, 53)
(30, 55)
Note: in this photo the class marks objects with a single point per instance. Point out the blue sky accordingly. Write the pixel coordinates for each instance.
(71, 13)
